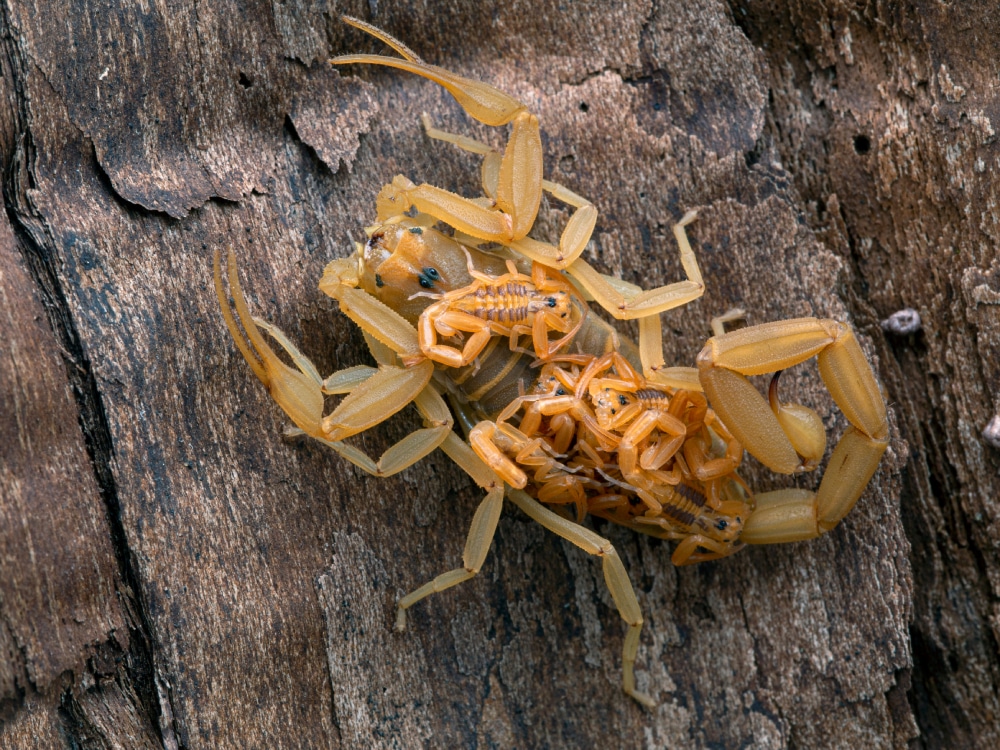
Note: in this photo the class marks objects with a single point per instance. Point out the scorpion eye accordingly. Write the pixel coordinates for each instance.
(378, 281)
(622, 400)
(416, 230)
(425, 282)
(722, 525)
(560, 392)
(552, 301)
(432, 274)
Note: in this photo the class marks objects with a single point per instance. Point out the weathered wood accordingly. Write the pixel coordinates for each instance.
(58, 573)
(841, 159)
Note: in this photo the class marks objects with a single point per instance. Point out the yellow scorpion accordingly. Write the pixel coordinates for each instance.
(559, 413)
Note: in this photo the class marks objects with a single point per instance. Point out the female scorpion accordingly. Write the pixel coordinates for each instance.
(664, 465)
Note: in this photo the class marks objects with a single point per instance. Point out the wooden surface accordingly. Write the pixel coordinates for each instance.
(173, 573)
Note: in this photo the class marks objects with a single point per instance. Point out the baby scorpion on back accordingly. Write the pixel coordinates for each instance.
(510, 305)
(656, 460)
(642, 450)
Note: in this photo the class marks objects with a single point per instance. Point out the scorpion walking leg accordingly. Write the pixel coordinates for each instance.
(614, 575)
(578, 229)
(629, 302)
(484, 526)
(483, 440)
(575, 235)
(735, 315)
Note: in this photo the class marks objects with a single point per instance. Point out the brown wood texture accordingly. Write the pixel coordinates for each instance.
(173, 573)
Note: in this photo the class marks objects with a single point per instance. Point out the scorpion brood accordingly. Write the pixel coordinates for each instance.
(572, 417)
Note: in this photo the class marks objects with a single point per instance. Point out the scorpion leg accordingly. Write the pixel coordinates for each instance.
(690, 550)
(438, 318)
(572, 242)
(779, 439)
(490, 170)
(639, 430)
(513, 182)
(735, 315)
(518, 192)
(579, 228)
(484, 526)
(614, 575)
(483, 440)
(628, 302)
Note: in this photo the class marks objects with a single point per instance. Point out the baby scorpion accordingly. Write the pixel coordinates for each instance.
(649, 460)
(643, 450)
(512, 305)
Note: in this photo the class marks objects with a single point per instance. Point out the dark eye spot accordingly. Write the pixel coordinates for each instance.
(622, 400)
(722, 525)
(378, 281)
(560, 392)
(416, 230)
(425, 282)
(613, 411)
(432, 274)
(552, 301)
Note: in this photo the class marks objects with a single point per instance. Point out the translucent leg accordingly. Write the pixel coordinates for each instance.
(614, 575)
(484, 525)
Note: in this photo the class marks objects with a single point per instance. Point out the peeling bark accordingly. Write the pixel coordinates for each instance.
(173, 573)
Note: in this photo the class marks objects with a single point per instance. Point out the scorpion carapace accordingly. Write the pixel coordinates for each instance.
(559, 413)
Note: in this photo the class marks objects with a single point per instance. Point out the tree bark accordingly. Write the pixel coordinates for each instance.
(173, 573)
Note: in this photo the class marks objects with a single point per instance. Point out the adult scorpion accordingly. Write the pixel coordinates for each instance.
(561, 414)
